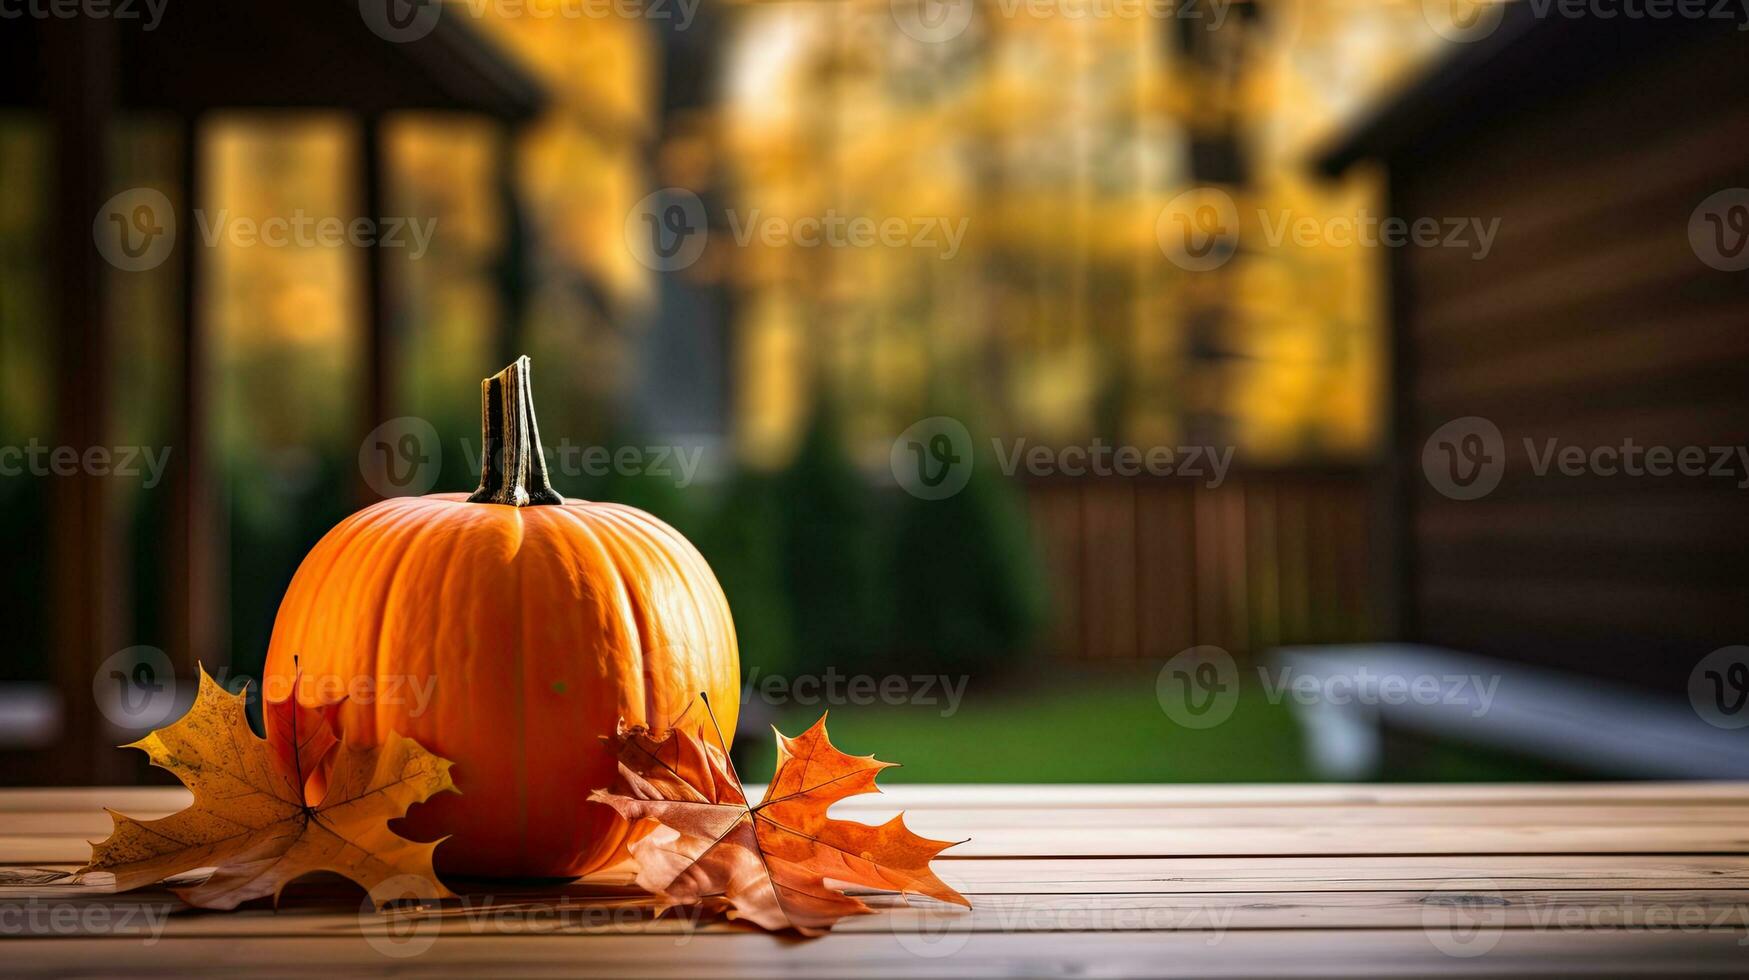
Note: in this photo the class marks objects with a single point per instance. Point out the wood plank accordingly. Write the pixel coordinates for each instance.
(972, 821)
(1281, 953)
(129, 918)
(1082, 876)
(919, 796)
(1213, 841)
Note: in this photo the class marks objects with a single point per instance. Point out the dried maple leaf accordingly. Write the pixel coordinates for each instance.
(251, 819)
(769, 862)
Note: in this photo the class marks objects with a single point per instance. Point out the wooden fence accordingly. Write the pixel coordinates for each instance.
(1144, 568)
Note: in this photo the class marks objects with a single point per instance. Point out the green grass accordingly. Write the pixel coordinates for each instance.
(1099, 728)
(1106, 729)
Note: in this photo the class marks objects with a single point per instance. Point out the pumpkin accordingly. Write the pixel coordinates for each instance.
(510, 631)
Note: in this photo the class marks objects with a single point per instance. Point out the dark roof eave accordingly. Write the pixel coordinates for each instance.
(489, 78)
(1458, 80)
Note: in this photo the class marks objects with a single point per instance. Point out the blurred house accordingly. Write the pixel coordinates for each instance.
(86, 82)
(1606, 316)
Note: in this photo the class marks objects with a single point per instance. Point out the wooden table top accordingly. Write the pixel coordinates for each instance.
(1240, 880)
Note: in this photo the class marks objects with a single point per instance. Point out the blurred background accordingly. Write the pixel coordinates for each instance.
(1086, 227)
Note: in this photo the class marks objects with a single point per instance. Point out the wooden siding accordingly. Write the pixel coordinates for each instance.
(1591, 321)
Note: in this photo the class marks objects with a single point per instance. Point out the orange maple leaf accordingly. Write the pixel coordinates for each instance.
(251, 818)
(769, 862)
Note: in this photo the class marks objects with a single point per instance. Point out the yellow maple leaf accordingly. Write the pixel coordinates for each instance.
(251, 818)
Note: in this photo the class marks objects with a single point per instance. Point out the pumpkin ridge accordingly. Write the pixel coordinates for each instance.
(632, 601)
(345, 533)
(627, 533)
(521, 689)
(659, 543)
(408, 547)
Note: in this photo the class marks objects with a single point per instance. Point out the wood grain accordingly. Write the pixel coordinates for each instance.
(1096, 880)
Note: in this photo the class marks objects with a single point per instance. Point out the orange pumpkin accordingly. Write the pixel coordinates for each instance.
(509, 631)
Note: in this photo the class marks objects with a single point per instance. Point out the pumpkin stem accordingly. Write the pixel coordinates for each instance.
(513, 469)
